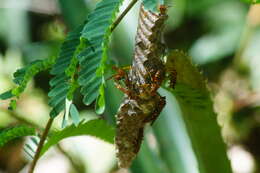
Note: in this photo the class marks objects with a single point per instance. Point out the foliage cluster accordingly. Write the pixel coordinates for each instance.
(82, 64)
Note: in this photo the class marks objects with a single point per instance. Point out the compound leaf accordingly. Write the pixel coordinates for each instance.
(97, 128)
(22, 77)
(252, 1)
(152, 4)
(9, 134)
(63, 84)
(74, 114)
(93, 58)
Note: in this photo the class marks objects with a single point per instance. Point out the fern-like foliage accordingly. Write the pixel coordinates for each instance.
(23, 76)
(97, 128)
(31, 145)
(252, 1)
(93, 59)
(152, 4)
(64, 84)
(9, 134)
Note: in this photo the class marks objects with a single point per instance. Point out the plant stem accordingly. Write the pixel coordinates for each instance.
(118, 20)
(251, 23)
(38, 151)
(245, 40)
(39, 128)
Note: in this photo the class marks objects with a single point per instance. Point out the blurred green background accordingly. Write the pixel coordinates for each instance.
(221, 36)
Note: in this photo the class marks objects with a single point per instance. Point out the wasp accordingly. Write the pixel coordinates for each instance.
(163, 9)
(121, 75)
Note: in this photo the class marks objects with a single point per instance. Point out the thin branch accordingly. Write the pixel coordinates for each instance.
(251, 23)
(39, 128)
(245, 40)
(118, 20)
(38, 151)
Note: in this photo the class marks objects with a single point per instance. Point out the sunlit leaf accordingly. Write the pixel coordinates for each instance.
(9, 134)
(93, 59)
(199, 117)
(152, 4)
(23, 76)
(74, 114)
(64, 70)
(97, 128)
(6, 95)
(251, 1)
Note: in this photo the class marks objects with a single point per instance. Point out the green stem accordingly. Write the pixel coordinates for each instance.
(118, 20)
(245, 39)
(38, 151)
(39, 128)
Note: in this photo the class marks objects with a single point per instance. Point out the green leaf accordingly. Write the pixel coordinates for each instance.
(252, 1)
(63, 84)
(186, 73)
(9, 134)
(100, 104)
(66, 113)
(30, 146)
(97, 128)
(73, 12)
(12, 105)
(6, 95)
(197, 112)
(152, 5)
(93, 59)
(74, 114)
(22, 77)
(148, 160)
(173, 140)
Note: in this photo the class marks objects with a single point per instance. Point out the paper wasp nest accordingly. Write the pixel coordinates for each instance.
(142, 104)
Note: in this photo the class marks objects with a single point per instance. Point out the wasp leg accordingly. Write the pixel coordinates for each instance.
(123, 89)
(121, 74)
(156, 81)
(154, 88)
